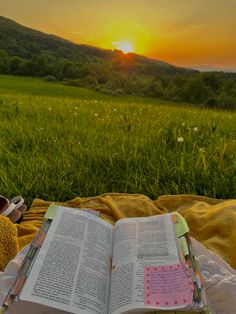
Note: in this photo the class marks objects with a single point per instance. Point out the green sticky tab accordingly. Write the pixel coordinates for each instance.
(181, 225)
(184, 245)
(51, 212)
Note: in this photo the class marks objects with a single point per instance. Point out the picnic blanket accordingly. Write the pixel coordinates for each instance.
(212, 222)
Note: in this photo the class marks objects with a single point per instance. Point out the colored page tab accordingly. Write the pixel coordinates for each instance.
(184, 245)
(51, 212)
(168, 286)
(181, 225)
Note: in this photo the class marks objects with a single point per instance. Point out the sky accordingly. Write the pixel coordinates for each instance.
(182, 32)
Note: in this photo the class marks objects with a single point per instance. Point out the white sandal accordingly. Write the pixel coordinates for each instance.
(12, 209)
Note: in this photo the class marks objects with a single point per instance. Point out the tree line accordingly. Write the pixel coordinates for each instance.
(120, 75)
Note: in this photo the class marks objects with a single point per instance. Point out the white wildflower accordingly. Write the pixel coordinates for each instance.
(180, 139)
(195, 129)
(96, 115)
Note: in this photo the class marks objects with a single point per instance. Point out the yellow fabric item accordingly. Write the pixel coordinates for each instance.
(211, 221)
(8, 241)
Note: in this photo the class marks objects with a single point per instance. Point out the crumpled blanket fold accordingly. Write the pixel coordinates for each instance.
(212, 222)
(220, 280)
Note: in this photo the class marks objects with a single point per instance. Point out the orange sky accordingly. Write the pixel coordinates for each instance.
(182, 32)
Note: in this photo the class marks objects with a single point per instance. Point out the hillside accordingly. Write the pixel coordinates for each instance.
(27, 52)
(18, 40)
(26, 43)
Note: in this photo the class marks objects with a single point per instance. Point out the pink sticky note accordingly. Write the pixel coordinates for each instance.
(168, 286)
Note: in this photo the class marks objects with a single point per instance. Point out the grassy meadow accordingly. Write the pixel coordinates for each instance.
(58, 142)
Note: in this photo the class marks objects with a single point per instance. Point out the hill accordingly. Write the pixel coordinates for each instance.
(29, 44)
(26, 43)
(24, 51)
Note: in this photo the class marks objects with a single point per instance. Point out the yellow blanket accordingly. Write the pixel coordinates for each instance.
(211, 221)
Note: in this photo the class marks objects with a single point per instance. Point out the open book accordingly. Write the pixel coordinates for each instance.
(79, 263)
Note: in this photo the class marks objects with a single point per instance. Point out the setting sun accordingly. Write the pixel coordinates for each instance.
(124, 46)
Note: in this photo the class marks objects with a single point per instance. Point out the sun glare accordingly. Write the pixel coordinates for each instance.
(124, 46)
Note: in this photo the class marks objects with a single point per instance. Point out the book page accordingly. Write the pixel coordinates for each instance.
(72, 269)
(138, 243)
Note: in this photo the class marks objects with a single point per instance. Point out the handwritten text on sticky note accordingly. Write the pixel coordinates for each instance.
(168, 286)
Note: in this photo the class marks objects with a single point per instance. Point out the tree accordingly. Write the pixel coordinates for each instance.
(212, 80)
(229, 87)
(66, 69)
(91, 81)
(155, 88)
(196, 91)
(41, 66)
(16, 64)
(172, 93)
(4, 62)
(179, 80)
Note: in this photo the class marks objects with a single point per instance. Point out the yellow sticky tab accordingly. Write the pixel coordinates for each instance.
(51, 212)
(184, 245)
(181, 225)
(174, 218)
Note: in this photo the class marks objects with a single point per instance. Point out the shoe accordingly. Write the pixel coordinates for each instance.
(12, 209)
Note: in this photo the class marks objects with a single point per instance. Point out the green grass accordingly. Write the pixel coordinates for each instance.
(58, 142)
